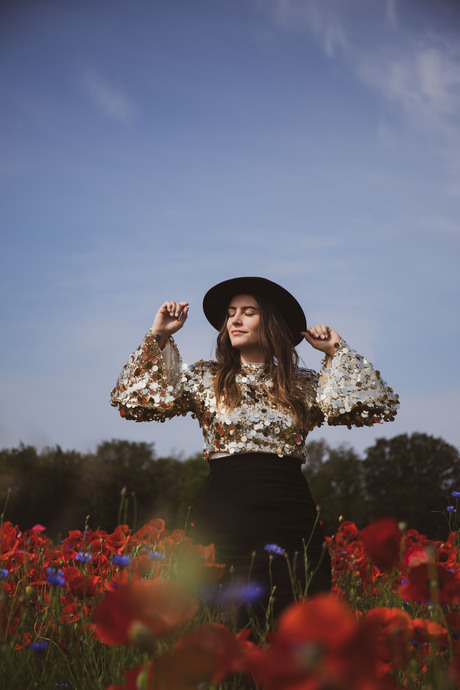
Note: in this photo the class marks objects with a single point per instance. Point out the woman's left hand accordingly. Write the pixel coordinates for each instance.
(322, 338)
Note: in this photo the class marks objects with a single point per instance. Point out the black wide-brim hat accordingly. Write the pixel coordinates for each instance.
(217, 299)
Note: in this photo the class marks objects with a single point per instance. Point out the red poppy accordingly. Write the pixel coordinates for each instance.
(205, 654)
(9, 540)
(418, 556)
(317, 645)
(424, 630)
(143, 566)
(382, 541)
(152, 532)
(157, 606)
(391, 632)
(348, 529)
(119, 538)
(431, 582)
(81, 584)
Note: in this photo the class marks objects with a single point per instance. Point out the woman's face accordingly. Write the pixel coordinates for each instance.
(243, 323)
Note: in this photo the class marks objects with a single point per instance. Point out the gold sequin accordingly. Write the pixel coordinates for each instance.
(156, 385)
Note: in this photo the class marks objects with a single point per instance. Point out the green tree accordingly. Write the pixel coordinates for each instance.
(410, 478)
(117, 466)
(41, 485)
(151, 486)
(335, 476)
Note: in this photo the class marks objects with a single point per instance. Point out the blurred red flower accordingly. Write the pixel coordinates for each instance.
(158, 606)
(382, 541)
(424, 630)
(431, 582)
(318, 644)
(391, 632)
(152, 532)
(206, 654)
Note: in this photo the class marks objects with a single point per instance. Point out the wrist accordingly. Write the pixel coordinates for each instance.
(159, 337)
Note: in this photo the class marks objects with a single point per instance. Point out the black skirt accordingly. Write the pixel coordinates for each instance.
(252, 500)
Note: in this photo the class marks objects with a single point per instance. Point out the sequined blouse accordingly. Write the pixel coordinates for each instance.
(156, 385)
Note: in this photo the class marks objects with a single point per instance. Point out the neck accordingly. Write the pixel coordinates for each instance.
(254, 356)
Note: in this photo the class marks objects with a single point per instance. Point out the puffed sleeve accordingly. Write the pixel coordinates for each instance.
(151, 385)
(351, 392)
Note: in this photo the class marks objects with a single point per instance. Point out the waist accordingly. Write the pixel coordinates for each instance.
(251, 459)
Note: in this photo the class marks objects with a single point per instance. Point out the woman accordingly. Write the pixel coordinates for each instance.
(256, 407)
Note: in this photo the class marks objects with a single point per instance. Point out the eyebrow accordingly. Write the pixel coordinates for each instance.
(248, 306)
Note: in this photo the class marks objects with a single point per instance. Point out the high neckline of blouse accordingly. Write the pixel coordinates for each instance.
(253, 366)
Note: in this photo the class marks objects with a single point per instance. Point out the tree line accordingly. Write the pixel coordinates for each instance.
(410, 477)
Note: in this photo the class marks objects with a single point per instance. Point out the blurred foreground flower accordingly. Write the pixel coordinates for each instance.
(431, 582)
(318, 644)
(156, 607)
(382, 541)
(206, 654)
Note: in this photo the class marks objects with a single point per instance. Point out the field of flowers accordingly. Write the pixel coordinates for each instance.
(144, 610)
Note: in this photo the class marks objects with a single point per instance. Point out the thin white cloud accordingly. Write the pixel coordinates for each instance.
(323, 22)
(109, 99)
(425, 83)
(420, 72)
(415, 70)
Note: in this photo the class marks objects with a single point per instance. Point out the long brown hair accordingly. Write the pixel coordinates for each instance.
(281, 357)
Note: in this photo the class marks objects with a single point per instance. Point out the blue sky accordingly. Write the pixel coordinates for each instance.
(151, 148)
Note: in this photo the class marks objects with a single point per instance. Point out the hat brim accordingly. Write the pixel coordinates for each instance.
(217, 299)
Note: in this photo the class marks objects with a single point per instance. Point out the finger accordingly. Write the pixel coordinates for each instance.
(309, 337)
(183, 316)
(175, 310)
(320, 331)
(179, 308)
(314, 331)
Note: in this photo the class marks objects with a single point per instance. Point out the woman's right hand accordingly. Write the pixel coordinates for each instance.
(170, 318)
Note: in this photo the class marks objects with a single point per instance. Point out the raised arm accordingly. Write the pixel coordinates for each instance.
(151, 384)
(350, 391)
(170, 318)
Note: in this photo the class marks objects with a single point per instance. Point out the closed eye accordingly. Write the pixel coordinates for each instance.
(249, 311)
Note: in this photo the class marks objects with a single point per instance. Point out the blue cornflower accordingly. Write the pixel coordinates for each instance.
(455, 494)
(244, 593)
(60, 686)
(451, 509)
(120, 560)
(275, 550)
(4, 573)
(39, 646)
(83, 557)
(157, 555)
(55, 577)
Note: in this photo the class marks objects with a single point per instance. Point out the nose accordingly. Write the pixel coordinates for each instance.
(236, 318)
